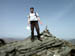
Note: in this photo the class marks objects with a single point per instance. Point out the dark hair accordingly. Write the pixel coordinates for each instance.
(32, 8)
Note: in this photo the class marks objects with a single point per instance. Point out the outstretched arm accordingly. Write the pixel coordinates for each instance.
(39, 20)
(28, 20)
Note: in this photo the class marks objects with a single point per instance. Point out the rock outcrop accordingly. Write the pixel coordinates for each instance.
(50, 46)
(2, 42)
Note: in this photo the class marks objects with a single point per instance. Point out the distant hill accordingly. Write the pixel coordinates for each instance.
(8, 40)
(72, 41)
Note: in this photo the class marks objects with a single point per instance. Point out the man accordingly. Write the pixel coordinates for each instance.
(33, 19)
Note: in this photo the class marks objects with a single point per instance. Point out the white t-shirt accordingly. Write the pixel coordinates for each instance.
(33, 16)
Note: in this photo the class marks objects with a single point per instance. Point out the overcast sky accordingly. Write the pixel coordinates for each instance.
(58, 15)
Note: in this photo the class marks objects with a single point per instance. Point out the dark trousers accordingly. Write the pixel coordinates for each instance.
(34, 24)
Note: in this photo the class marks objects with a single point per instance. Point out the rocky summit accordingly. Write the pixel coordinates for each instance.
(50, 46)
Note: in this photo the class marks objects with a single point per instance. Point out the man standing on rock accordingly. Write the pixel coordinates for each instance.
(33, 19)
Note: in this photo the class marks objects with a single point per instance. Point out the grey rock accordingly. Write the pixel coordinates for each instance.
(50, 46)
(2, 42)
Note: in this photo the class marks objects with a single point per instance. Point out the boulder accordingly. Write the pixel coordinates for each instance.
(2, 42)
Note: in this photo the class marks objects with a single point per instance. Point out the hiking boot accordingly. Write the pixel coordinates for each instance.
(40, 39)
(32, 39)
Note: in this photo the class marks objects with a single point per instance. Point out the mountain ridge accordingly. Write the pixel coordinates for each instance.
(48, 47)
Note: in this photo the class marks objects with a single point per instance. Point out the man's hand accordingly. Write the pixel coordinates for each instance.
(41, 23)
(28, 20)
(39, 20)
(28, 23)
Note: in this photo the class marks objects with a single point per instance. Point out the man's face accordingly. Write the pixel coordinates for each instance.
(31, 10)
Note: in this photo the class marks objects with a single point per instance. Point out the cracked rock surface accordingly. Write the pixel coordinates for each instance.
(50, 46)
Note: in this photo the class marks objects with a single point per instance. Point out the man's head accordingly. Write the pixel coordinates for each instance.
(31, 9)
